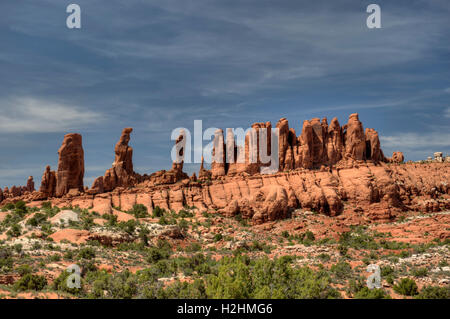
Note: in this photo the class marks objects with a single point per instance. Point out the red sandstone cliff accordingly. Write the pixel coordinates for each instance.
(326, 169)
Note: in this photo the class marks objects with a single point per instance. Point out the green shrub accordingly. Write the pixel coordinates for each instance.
(342, 270)
(86, 253)
(30, 282)
(185, 214)
(324, 257)
(419, 272)
(14, 231)
(21, 208)
(386, 271)
(155, 254)
(193, 247)
(37, 219)
(366, 293)
(60, 284)
(158, 212)
(9, 206)
(238, 277)
(47, 205)
(406, 287)
(139, 211)
(6, 261)
(183, 224)
(358, 239)
(122, 285)
(434, 292)
(128, 226)
(24, 269)
(309, 235)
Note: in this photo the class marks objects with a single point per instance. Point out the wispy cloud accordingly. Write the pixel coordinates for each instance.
(416, 141)
(35, 115)
(447, 112)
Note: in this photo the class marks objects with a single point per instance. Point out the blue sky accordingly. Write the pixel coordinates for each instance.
(158, 65)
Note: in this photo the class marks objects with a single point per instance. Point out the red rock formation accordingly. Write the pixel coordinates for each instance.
(121, 174)
(373, 150)
(177, 165)
(283, 145)
(176, 173)
(97, 186)
(48, 183)
(30, 185)
(6, 192)
(380, 192)
(334, 144)
(218, 155)
(203, 174)
(70, 165)
(305, 149)
(15, 191)
(355, 142)
(397, 157)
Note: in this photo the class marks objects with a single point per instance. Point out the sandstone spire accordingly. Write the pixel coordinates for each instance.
(70, 165)
(48, 183)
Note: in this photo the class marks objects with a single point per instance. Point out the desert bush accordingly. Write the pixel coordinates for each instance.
(14, 231)
(358, 239)
(139, 211)
(128, 226)
(24, 269)
(406, 287)
(21, 208)
(434, 292)
(37, 219)
(60, 284)
(86, 253)
(419, 272)
(158, 212)
(185, 214)
(30, 282)
(217, 237)
(8, 206)
(366, 293)
(238, 277)
(6, 260)
(342, 270)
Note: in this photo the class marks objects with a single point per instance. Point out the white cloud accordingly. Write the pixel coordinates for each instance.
(34, 115)
(416, 141)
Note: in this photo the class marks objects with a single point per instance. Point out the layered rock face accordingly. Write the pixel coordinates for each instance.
(70, 165)
(376, 191)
